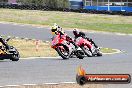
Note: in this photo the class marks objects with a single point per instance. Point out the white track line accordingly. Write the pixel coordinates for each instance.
(40, 27)
(51, 83)
(67, 82)
(12, 85)
(37, 84)
(39, 57)
(29, 84)
(117, 51)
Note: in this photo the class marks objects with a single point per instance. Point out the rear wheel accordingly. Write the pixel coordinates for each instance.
(81, 80)
(80, 54)
(63, 52)
(87, 51)
(80, 57)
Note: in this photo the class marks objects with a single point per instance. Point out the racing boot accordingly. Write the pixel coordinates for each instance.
(93, 50)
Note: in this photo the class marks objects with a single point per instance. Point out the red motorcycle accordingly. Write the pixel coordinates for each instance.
(88, 48)
(65, 48)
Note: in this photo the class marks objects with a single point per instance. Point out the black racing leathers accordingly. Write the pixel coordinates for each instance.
(4, 43)
(68, 38)
(82, 34)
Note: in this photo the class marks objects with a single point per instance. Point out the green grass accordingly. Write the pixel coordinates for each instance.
(108, 50)
(97, 22)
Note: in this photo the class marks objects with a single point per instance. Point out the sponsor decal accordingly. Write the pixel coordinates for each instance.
(83, 78)
(2, 52)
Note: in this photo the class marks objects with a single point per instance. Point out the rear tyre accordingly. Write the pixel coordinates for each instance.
(81, 80)
(80, 54)
(1, 59)
(62, 53)
(80, 57)
(87, 51)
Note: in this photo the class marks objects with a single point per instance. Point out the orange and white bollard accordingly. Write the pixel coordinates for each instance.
(37, 45)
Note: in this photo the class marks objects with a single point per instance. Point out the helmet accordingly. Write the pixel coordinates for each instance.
(54, 28)
(75, 32)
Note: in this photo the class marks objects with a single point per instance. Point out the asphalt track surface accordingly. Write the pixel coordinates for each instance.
(54, 70)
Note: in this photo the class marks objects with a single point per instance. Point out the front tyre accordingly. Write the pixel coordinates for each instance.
(15, 56)
(99, 53)
(87, 51)
(63, 52)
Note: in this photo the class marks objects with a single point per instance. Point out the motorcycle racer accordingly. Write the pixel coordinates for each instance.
(78, 33)
(57, 29)
(64, 44)
(4, 43)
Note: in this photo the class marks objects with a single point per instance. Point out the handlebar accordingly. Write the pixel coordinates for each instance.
(6, 40)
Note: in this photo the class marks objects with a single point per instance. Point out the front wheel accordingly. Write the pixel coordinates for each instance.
(63, 51)
(99, 53)
(87, 51)
(15, 55)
